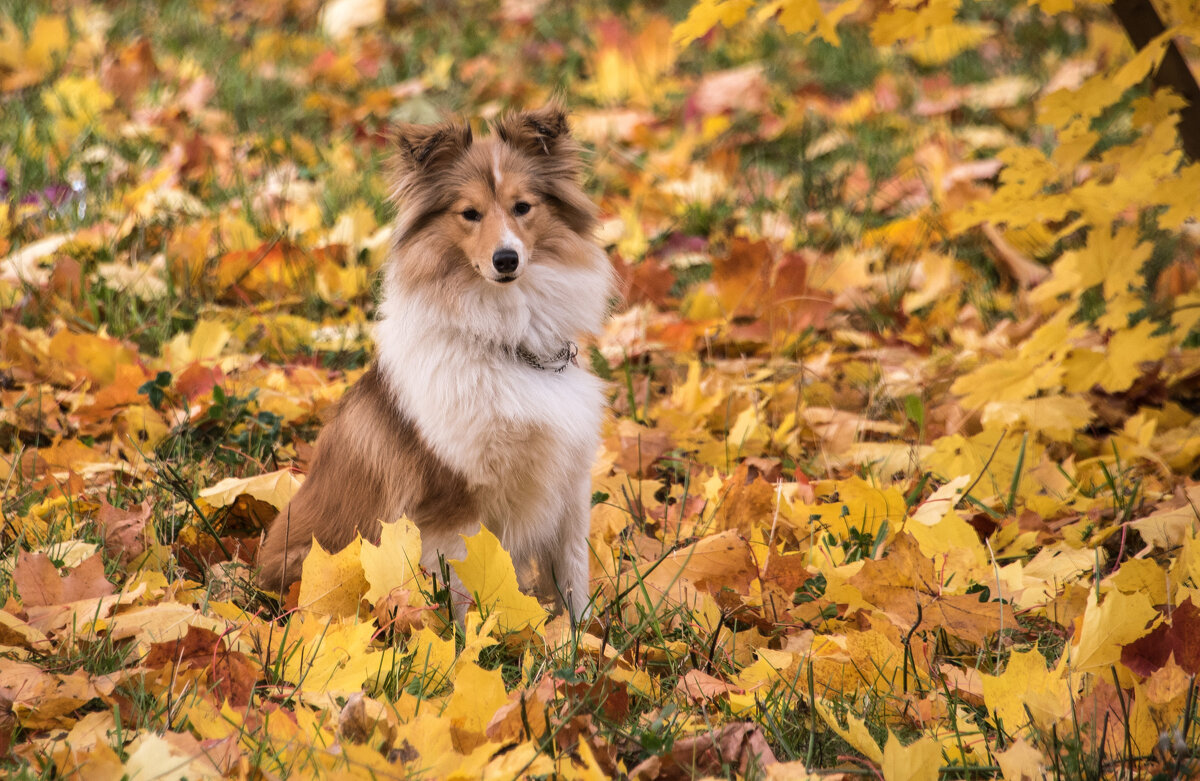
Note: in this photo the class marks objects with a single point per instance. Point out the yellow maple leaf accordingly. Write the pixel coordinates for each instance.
(918, 761)
(1074, 143)
(478, 636)
(275, 488)
(1119, 311)
(1097, 93)
(1167, 528)
(992, 456)
(48, 40)
(806, 17)
(951, 540)
(478, 694)
(209, 722)
(1152, 109)
(433, 657)
(1057, 417)
(323, 655)
(488, 575)
(94, 357)
(1105, 628)
(1179, 195)
(912, 24)
(31, 60)
(76, 103)
(205, 343)
(526, 760)
(1021, 761)
(945, 42)
(1139, 66)
(1144, 574)
(395, 562)
(333, 584)
(152, 756)
(431, 740)
(1117, 367)
(1026, 682)
(861, 508)
(706, 15)
(1036, 366)
(855, 732)
(691, 396)
(1111, 259)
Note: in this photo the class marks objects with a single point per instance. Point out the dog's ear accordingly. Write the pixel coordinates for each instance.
(540, 132)
(426, 147)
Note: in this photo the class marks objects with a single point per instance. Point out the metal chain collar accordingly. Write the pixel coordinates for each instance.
(562, 358)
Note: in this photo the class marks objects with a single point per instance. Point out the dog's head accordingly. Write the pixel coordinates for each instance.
(490, 206)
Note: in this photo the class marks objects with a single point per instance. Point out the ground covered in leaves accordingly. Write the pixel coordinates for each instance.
(901, 475)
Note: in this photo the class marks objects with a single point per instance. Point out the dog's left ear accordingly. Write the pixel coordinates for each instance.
(539, 132)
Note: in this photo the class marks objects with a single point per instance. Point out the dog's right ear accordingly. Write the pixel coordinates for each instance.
(426, 147)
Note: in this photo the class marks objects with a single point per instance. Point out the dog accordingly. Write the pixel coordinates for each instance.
(475, 410)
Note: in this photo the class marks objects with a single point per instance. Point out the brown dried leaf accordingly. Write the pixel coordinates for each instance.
(905, 586)
(231, 674)
(640, 448)
(124, 530)
(701, 687)
(743, 278)
(129, 71)
(739, 745)
(750, 502)
(715, 562)
(524, 707)
(39, 584)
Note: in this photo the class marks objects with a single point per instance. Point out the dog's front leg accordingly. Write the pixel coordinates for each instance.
(566, 563)
(438, 548)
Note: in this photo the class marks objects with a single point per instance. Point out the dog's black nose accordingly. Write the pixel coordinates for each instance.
(505, 260)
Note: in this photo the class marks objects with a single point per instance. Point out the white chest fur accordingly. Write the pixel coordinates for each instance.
(524, 437)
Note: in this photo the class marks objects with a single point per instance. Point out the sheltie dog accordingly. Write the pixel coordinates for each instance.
(475, 410)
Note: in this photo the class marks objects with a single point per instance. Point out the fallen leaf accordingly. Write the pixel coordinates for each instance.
(39, 583)
(1027, 687)
(698, 686)
(1178, 636)
(740, 746)
(1106, 628)
(395, 563)
(274, 488)
(488, 575)
(174, 756)
(124, 531)
(905, 586)
(231, 675)
(1021, 761)
(918, 761)
(710, 564)
(333, 584)
(855, 732)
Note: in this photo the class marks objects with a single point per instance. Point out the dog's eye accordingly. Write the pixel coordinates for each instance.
(471, 215)
(521, 208)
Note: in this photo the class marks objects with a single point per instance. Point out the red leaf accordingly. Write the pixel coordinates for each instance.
(231, 674)
(1179, 636)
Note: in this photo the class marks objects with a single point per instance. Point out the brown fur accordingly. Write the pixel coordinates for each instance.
(370, 467)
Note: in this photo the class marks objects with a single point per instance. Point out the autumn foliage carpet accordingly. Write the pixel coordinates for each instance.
(901, 473)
